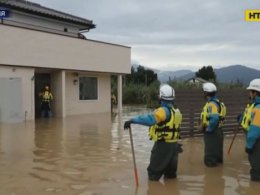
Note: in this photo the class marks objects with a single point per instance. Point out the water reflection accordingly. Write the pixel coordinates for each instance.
(91, 154)
(163, 188)
(48, 138)
(214, 178)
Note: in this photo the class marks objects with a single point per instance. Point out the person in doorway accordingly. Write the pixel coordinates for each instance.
(164, 125)
(113, 102)
(113, 99)
(211, 121)
(46, 98)
(250, 121)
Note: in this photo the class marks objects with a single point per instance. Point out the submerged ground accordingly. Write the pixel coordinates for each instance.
(91, 155)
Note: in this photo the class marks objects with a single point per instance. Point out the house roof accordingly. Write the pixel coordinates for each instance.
(198, 79)
(37, 9)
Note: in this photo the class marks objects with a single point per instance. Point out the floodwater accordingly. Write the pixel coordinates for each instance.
(91, 155)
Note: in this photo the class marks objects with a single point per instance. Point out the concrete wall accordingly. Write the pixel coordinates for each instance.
(40, 49)
(21, 84)
(75, 106)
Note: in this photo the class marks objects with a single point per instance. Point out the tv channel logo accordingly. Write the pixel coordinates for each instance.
(252, 15)
(4, 13)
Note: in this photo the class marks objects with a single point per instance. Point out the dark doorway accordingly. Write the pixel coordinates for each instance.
(41, 80)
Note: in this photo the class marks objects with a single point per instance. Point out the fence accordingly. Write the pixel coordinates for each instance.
(190, 102)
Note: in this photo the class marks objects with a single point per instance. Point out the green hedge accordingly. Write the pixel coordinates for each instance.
(148, 95)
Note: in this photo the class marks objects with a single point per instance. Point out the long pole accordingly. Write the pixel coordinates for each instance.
(133, 154)
(234, 137)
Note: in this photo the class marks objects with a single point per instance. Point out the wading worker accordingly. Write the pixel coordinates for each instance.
(164, 125)
(211, 121)
(46, 98)
(251, 124)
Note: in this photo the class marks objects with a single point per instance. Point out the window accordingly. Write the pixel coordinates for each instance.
(88, 88)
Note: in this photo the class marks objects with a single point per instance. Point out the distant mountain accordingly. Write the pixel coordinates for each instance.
(164, 76)
(237, 73)
(232, 73)
(187, 76)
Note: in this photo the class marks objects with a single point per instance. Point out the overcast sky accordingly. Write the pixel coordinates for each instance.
(173, 34)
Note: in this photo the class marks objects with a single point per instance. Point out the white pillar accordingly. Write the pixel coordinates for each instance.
(119, 93)
(58, 90)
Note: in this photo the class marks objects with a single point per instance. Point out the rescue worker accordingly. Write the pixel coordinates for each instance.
(250, 121)
(113, 99)
(211, 121)
(164, 125)
(46, 97)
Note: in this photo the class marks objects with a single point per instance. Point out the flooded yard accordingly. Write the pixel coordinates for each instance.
(91, 155)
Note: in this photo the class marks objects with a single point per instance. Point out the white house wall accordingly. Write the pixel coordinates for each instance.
(26, 76)
(39, 49)
(74, 106)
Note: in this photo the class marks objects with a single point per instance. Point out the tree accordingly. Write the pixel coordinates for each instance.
(140, 76)
(129, 78)
(207, 73)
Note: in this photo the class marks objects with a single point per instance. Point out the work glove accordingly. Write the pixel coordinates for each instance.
(202, 128)
(249, 150)
(127, 125)
(239, 118)
(179, 148)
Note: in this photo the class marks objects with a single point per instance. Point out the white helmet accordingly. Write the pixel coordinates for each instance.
(254, 85)
(209, 87)
(166, 92)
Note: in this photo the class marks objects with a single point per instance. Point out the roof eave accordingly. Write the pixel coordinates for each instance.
(87, 25)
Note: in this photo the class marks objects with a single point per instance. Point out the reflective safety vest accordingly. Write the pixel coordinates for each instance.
(168, 131)
(246, 120)
(46, 96)
(113, 99)
(204, 118)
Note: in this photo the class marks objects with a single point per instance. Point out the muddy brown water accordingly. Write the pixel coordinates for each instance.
(91, 155)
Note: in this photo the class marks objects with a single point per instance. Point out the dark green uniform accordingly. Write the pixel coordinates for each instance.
(221, 144)
(213, 150)
(163, 160)
(254, 159)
